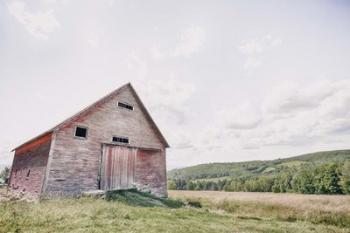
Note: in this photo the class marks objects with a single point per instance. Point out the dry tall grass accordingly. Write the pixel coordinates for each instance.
(334, 203)
(332, 210)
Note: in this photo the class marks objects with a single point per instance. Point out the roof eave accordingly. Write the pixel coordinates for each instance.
(33, 139)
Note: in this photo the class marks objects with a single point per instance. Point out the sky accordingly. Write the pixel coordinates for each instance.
(225, 81)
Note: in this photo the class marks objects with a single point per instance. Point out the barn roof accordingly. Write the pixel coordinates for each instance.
(89, 109)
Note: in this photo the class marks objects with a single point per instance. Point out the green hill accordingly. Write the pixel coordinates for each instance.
(257, 168)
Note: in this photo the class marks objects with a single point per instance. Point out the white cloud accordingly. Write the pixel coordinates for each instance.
(53, 2)
(157, 53)
(260, 45)
(164, 94)
(253, 49)
(5, 152)
(252, 63)
(181, 141)
(49, 1)
(111, 2)
(38, 24)
(135, 63)
(244, 116)
(305, 112)
(167, 101)
(291, 114)
(288, 98)
(167, 95)
(93, 40)
(189, 41)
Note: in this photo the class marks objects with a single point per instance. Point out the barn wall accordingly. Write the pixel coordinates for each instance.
(29, 166)
(150, 172)
(75, 162)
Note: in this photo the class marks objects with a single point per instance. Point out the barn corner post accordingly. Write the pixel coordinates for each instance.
(48, 166)
(99, 185)
(165, 174)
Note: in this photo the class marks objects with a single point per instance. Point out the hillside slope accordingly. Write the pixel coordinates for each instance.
(257, 168)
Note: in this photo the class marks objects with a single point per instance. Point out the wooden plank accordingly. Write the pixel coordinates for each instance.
(109, 170)
(102, 168)
(115, 170)
(118, 164)
(131, 167)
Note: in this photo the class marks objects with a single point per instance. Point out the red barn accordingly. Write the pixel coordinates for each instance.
(112, 144)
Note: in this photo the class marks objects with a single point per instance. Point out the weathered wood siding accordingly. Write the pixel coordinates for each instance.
(29, 166)
(118, 167)
(75, 163)
(150, 172)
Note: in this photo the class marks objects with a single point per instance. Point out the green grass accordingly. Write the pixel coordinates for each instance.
(295, 163)
(136, 198)
(214, 179)
(269, 170)
(120, 215)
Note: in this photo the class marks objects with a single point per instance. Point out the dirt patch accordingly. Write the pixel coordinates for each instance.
(4, 196)
(8, 195)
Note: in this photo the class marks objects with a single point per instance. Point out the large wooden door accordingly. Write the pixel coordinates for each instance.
(117, 167)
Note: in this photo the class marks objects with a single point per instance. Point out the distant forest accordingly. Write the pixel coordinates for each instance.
(317, 173)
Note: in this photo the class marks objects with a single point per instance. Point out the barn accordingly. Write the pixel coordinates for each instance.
(111, 144)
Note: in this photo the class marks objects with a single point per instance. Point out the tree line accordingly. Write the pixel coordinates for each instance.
(328, 178)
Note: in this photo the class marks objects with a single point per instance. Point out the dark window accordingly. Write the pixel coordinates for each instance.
(81, 132)
(125, 105)
(28, 173)
(120, 139)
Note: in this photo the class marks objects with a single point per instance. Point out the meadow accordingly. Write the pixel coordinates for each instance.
(317, 209)
(202, 212)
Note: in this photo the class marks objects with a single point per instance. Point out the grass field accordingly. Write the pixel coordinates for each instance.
(317, 209)
(220, 212)
(322, 203)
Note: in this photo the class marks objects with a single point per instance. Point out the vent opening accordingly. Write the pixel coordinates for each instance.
(120, 139)
(125, 105)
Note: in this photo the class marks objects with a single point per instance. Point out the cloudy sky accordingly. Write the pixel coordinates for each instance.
(224, 80)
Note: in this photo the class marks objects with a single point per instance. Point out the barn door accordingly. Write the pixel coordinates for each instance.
(117, 167)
